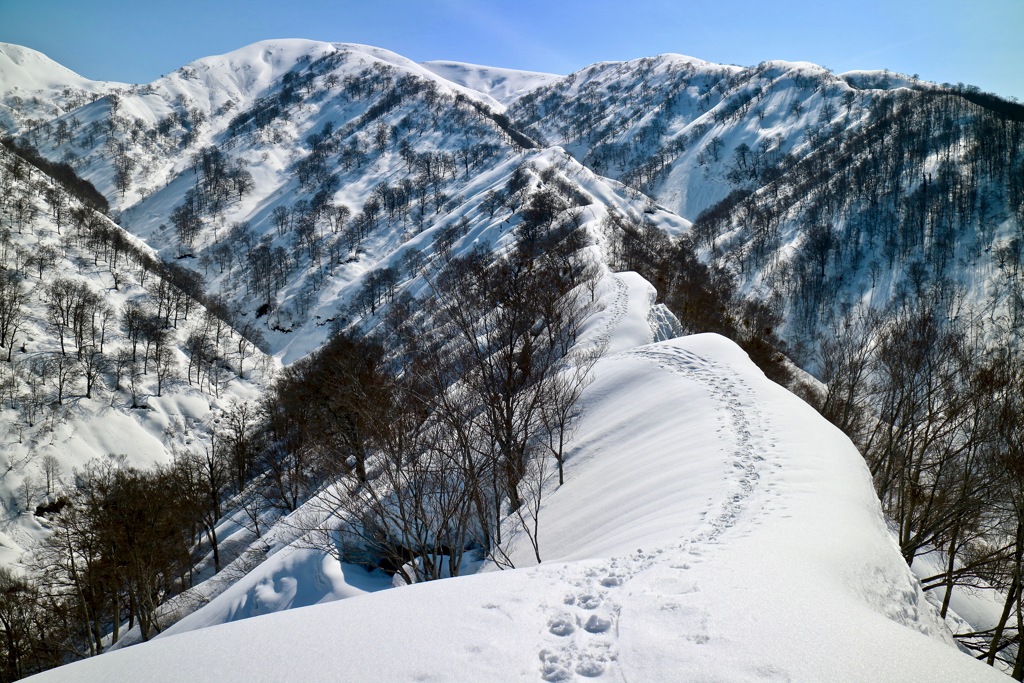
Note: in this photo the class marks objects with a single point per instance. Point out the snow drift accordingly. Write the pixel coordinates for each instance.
(712, 527)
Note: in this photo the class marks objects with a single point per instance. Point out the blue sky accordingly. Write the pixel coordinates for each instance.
(980, 42)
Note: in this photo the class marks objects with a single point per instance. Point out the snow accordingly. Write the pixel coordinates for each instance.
(41, 85)
(712, 527)
(294, 577)
(25, 69)
(103, 427)
(504, 85)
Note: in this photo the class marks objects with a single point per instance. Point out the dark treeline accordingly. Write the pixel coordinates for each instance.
(122, 543)
(919, 186)
(61, 172)
(447, 422)
(937, 410)
(703, 297)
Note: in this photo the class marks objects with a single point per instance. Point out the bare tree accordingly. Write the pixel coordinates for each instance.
(51, 472)
(201, 476)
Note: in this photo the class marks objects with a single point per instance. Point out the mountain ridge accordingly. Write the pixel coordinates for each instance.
(313, 188)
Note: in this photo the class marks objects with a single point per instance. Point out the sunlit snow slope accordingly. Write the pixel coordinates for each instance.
(503, 85)
(34, 88)
(711, 527)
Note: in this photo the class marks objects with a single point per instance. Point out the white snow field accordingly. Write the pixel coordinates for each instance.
(712, 527)
(33, 87)
(503, 85)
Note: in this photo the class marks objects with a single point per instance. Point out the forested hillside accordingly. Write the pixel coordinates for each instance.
(821, 192)
(115, 368)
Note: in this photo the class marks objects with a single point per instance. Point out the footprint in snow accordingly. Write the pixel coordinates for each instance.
(584, 601)
(562, 625)
(590, 666)
(552, 668)
(597, 624)
(611, 581)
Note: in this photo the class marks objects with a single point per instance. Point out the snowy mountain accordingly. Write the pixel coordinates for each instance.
(827, 191)
(281, 136)
(651, 122)
(711, 524)
(34, 89)
(291, 173)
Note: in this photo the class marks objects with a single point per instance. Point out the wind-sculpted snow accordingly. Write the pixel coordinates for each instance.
(503, 85)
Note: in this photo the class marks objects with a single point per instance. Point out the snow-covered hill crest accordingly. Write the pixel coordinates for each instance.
(504, 85)
(35, 89)
(714, 540)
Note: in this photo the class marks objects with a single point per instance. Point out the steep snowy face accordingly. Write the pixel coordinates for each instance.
(505, 86)
(296, 162)
(827, 191)
(670, 124)
(215, 99)
(35, 89)
(309, 182)
(711, 525)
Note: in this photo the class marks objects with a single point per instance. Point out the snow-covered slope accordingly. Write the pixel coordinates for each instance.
(196, 104)
(361, 153)
(711, 527)
(670, 124)
(504, 85)
(826, 191)
(357, 162)
(74, 388)
(35, 89)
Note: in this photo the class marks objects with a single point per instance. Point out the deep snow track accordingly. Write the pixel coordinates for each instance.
(741, 422)
(615, 311)
(582, 632)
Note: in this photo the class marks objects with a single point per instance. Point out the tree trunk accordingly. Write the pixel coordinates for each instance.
(1011, 597)
(949, 572)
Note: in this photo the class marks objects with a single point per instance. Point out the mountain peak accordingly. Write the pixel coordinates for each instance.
(25, 69)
